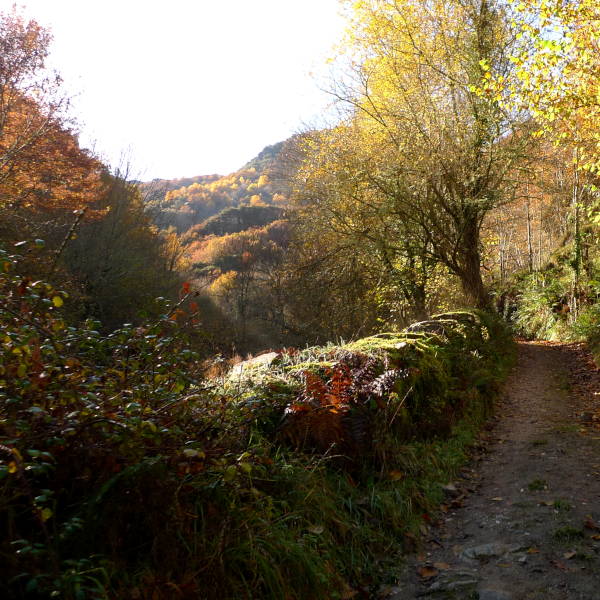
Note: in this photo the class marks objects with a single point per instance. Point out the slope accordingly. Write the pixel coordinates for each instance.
(184, 203)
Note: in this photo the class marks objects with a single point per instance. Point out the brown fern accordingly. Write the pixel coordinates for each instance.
(339, 394)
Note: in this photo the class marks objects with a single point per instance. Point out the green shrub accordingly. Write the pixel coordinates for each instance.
(125, 474)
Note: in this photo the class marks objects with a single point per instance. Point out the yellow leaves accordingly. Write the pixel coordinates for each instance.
(193, 453)
(45, 514)
(230, 473)
(58, 325)
(13, 465)
(149, 425)
(558, 71)
(57, 301)
(224, 283)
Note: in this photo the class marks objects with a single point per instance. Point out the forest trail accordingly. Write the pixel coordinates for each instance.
(523, 522)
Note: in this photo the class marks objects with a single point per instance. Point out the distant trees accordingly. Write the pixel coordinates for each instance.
(235, 219)
(243, 273)
(259, 183)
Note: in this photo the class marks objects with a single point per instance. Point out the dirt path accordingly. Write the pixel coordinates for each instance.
(523, 523)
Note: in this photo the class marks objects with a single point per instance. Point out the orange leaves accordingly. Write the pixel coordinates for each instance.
(340, 405)
(317, 418)
(340, 387)
(51, 171)
(427, 572)
(335, 394)
(314, 387)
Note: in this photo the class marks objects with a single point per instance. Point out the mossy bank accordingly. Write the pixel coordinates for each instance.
(126, 474)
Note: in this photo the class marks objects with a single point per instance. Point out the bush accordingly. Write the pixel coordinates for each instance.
(126, 475)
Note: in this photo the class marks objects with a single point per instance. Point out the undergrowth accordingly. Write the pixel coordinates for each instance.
(125, 474)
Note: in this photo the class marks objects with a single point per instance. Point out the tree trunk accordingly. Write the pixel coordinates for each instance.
(470, 269)
(529, 233)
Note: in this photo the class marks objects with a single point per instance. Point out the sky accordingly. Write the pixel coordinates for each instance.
(178, 88)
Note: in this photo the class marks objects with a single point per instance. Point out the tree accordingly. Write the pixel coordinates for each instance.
(242, 270)
(120, 260)
(30, 103)
(558, 73)
(44, 173)
(439, 153)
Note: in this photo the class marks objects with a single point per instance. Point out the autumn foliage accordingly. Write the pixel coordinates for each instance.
(123, 469)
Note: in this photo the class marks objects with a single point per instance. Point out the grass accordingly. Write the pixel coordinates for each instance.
(568, 534)
(562, 505)
(537, 485)
(538, 443)
(306, 479)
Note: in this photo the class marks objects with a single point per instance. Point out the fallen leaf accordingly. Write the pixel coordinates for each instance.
(533, 551)
(427, 572)
(589, 523)
(498, 499)
(441, 566)
(569, 555)
(559, 565)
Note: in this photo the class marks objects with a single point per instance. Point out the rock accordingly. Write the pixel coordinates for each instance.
(450, 490)
(494, 595)
(451, 586)
(456, 585)
(493, 550)
(262, 361)
(427, 327)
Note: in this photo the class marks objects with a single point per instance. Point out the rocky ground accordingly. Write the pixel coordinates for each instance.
(523, 522)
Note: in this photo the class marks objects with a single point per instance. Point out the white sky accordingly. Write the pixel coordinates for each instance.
(189, 87)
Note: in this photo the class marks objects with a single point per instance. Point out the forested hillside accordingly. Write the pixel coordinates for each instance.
(382, 264)
(184, 203)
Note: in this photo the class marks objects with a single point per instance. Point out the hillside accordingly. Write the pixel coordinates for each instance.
(186, 202)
